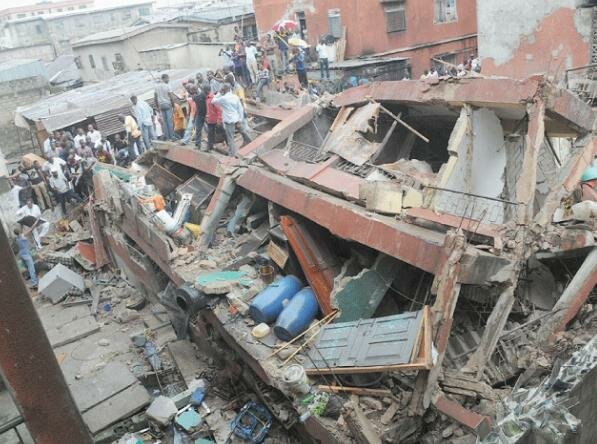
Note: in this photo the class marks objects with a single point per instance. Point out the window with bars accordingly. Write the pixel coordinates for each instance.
(445, 11)
(395, 13)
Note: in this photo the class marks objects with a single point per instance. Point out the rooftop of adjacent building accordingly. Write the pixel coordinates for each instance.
(121, 33)
(59, 15)
(43, 5)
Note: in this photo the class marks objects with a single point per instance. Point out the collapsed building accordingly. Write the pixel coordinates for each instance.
(433, 222)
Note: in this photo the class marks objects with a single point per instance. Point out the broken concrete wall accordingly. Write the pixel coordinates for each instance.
(476, 165)
(519, 39)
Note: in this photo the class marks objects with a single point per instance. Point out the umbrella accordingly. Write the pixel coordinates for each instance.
(295, 41)
(286, 24)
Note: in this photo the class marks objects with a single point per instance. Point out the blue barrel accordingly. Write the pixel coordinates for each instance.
(268, 304)
(297, 315)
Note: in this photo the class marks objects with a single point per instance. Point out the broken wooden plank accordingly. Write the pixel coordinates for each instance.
(355, 390)
(371, 369)
(116, 408)
(277, 254)
(361, 428)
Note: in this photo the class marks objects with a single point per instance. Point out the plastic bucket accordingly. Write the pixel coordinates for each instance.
(297, 315)
(295, 379)
(268, 304)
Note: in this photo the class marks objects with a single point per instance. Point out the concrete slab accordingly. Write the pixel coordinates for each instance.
(24, 434)
(105, 383)
(58, 281)
(9, 415)
(184, 356)
(118, 407)
(73, 331)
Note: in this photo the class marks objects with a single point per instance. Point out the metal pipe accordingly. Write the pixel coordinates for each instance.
(28, 365)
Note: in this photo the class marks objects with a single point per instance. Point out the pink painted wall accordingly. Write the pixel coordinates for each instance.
(366, 26)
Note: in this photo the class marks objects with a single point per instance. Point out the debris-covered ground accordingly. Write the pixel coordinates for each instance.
(403, 262)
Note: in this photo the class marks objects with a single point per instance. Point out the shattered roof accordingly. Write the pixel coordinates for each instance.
(60, 110)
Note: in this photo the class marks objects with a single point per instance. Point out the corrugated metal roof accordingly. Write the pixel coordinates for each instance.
(61, 110)
(22, 69)
(388, 340)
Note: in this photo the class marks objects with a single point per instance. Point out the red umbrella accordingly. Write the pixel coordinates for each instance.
(286, 24)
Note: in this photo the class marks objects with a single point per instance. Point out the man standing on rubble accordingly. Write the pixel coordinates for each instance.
(25, 254)
(232, 115)
(213, 117)
(134, 136)
(164, 97)
(63, 192)
(38, 185)
(144, 115)
(30, 216)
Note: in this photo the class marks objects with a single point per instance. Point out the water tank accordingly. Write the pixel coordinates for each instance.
(297, 315)
(268, 304)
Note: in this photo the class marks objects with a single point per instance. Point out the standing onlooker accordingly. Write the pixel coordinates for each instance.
(38, 184)
(93, 134)
(232, 115)
(165, 101)
(213, 117)
(179, 121)
(269, 47)
(214, 84)
(62, 190)
(323, 54)
(134, 136)
(79, 137)
(144, 115)
(200, 112)
(192, 112)
(227, 62)
(49, 144)
(263, 78)
(25, 255)
(251, 52)
(282, 38)
(301, 69)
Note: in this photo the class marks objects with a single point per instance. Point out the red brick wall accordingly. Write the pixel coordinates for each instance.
(366, 26)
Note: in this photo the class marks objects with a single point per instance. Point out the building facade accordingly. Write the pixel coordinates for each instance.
(103, 55)
(519, 39)
(62, 28)
(44, 8)
(420, 30)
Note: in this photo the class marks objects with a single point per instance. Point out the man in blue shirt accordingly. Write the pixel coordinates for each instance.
(301, 69)
(25, 255)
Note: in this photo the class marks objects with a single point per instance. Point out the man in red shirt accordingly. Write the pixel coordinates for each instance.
(213, 117)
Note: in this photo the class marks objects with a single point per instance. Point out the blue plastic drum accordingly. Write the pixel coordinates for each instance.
(268, 304)
(298, 314)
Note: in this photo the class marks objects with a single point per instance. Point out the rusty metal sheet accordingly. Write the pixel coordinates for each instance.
(388, 340)
(317, 259)
(164, 180)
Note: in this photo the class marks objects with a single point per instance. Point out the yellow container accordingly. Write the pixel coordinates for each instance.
(193, 228)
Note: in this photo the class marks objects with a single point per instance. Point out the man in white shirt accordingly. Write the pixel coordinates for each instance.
(232, 115)
(105, 145)
(49, 144)
(144, 115)
(251, 52)
(324, 64)
(93, 134)
(79, 137)
(54, 163)
(60, 187)
(39, 226)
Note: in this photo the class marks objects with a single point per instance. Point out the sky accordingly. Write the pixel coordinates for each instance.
(11, 3)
